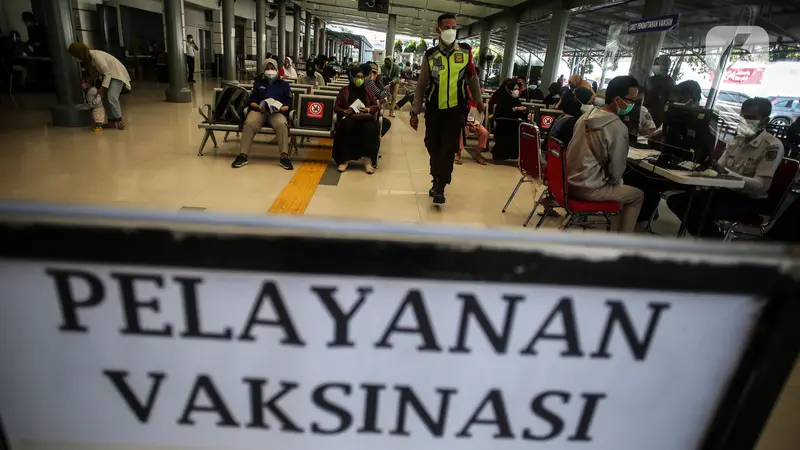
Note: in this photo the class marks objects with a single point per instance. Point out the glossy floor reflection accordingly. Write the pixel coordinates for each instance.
(154, 164)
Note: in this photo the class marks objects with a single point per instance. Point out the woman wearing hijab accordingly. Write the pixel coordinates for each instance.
(508, 114)
(287, 71)
(115, 78)
(356, 130)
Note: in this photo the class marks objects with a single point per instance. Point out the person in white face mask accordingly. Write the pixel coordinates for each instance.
(269, 102)
(753, 156)
(445, 72)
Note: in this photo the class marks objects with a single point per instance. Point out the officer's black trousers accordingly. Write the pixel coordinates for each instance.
(725, 205)
(443, 130)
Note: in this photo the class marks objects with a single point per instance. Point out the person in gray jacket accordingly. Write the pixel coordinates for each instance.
(597, 154)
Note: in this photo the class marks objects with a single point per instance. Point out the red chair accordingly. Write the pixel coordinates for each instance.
(529, 162)
(558, 186)
(759, 224)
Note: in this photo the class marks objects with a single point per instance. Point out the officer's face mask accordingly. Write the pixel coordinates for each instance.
(448, 36)
(749, 128)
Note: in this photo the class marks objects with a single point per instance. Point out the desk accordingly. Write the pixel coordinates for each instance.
(637, 157)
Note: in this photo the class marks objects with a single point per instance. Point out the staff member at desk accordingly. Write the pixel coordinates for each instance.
(685, 93)
(753, 156)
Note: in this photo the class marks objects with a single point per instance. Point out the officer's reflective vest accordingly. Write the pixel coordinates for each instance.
(448, 86)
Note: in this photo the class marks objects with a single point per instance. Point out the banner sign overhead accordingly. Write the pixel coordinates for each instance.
(651, 24)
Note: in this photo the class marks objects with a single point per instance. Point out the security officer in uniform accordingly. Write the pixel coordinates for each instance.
(753, 156)
(443, 79)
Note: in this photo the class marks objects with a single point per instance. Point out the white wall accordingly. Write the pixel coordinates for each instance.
(12, 14)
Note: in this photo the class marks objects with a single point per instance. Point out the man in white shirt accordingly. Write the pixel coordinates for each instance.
(753, 156)
(191, 51)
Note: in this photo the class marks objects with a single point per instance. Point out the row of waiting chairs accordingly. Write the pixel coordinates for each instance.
(313, 115)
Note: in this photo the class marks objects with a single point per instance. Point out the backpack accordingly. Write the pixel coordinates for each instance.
(230, 104)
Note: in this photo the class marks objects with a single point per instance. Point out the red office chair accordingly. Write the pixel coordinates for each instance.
(759, 224)
(557, 184)
(529, 163)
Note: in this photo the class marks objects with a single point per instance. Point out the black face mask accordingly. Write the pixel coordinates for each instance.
(572, 85)
(310, 72)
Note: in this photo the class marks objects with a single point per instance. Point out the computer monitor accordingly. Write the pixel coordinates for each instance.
(687, 134)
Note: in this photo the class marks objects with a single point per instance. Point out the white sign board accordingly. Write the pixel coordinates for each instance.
(147, 357)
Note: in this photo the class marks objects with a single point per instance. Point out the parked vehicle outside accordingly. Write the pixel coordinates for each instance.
(785, 111)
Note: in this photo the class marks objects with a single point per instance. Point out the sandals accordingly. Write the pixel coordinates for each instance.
(480, 159)
(457, 160)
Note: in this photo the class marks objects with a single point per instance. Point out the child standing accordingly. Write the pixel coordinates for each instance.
(94, 102)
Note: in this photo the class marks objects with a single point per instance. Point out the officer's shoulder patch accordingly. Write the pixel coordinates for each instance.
(459, 57)
(771, 155)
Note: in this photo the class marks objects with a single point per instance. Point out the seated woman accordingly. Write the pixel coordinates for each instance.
(263, 107)
(474, 128)
(508, 114)
(356, 130)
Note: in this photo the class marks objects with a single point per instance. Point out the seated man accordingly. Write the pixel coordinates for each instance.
(753, 156)
(597, 154)
(259, 112)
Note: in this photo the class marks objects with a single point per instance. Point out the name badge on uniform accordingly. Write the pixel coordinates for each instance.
(459, 57)
(438, 62)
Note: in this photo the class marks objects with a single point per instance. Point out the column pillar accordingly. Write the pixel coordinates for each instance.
(61, 33)
(391, 30)
(307, 40)
(323, 38)
(510, 52)
(281, 32)
(317, 47)
(177, 91)
(228, 41)
(261, 33)
(483, 51)
(555, 47)
(649, 44)
(296, 30)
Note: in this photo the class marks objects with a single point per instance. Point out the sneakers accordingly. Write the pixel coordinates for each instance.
(286, 163)
(369, 168)
(342, 167)
(97, 127)
(241, 160)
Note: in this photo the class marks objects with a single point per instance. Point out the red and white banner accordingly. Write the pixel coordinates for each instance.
(749, 75)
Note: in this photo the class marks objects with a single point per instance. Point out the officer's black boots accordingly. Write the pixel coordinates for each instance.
(437, 192)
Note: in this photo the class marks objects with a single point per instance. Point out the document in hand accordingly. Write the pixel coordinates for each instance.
(271, 104)
(357, 106)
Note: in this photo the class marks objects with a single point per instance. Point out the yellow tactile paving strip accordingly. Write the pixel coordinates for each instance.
(295, 197)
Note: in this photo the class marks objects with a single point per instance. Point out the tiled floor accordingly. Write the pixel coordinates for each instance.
(154, 164)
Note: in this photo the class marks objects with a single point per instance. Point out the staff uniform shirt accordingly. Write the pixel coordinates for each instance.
(757, 158)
